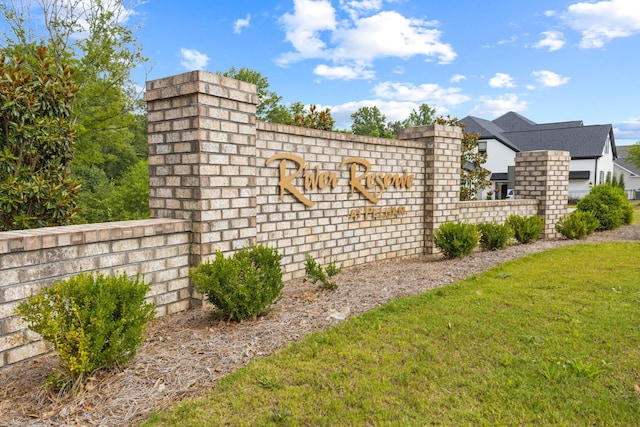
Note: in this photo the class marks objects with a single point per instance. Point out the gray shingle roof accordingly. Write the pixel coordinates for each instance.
(623, 160)
(521, 134)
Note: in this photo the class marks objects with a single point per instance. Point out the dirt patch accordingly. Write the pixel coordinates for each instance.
(186, 353)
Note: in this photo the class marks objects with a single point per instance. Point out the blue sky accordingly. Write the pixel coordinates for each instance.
(549, 60)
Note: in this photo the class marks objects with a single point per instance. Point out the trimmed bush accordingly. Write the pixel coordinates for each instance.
(456, 239)
(93, 321)
(314, 272)
(243, 285)
(494, 236)
(577, 225)
(609, 205)
(526, 229)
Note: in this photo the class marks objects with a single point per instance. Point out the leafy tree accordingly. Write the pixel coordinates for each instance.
(92, 38)
(36, 140)
(425, 115)
(473, 176)
(314, 119)
(269, 106)
(369, 121)
(634, 154)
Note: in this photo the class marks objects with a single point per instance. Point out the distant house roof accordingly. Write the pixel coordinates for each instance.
(623, 161)
(521, 134)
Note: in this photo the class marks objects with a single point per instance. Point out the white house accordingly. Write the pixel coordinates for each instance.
(592, 148)
(629, 171)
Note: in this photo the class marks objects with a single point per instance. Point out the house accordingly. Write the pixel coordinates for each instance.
(629, 171)
(592, 148)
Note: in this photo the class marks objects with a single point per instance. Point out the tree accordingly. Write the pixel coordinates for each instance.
(424, 116)
(369, 121)
(36, 140)
(634, 154)
(269, 106)
(314, 119)
(91, 37)
(473, 176)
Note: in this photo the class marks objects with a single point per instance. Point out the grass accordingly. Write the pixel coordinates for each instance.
(636, 211)
(548, 339)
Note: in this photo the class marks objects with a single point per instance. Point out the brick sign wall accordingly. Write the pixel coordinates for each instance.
(221, 180)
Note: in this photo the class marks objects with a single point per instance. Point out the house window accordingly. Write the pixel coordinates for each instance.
(601, 177)
(482, 146)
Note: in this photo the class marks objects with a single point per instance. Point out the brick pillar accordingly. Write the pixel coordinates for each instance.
(443, 149)
(202, 165)
(544, 176)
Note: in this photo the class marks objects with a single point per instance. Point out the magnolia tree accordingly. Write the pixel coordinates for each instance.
(473, 176)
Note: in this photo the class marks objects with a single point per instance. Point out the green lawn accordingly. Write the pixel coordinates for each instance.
(549, 339)
(636, 211)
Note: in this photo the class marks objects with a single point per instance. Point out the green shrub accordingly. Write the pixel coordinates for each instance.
(314, 272)
(93, 321)
(609, 205)
(526, 229)
(577, 225)
(456, 239)
(243, 285)
(494, 236)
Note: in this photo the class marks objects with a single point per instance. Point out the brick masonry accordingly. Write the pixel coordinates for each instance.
(221, 180)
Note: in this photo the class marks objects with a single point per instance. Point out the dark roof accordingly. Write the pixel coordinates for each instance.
(623, 161)
(521, 134)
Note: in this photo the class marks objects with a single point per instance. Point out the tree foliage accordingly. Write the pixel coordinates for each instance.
(473, 176)
(269, 102)
(369, 121)
(36, 140)
(313, 118)
(93, 38)
(634, 154)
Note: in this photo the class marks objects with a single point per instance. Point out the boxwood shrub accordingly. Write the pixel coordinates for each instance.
(243, 285)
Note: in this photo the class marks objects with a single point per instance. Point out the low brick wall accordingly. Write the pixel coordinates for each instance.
(29, 259)
(477, 212)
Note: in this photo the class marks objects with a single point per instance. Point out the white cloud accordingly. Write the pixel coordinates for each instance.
(549, 78)
(494, 107)
(554, 40)
(343, 72)
(627, 129)
(241, 24)
(501, 80)
(193, 60)
(603, 21)
(303, 29)
(457, 78)
(389, 34)
(356, 8)
(315, 32)
(432, 94)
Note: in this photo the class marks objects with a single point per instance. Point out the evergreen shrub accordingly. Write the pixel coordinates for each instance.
(609, 205)
(494, 236)
(526, 229)
(314, 272)
(577, 225)
(93, 321)
(456, 239)
(243, 285)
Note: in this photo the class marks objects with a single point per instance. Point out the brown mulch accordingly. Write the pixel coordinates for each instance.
(186, 353)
